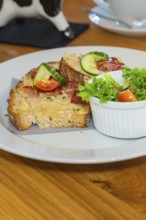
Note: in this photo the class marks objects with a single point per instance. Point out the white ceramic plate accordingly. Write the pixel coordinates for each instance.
(113, 26)
(78, 147)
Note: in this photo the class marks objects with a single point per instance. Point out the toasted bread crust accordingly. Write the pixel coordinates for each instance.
(70, 69)
(27, 108)
(19, 111)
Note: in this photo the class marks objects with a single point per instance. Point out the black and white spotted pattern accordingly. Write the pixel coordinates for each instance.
(47, 9)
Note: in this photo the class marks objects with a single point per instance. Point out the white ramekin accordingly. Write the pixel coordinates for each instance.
(119, 119)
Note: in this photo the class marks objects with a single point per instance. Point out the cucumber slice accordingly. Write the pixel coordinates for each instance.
(42, 74)
(55, 74)
(89, 60)
(125, 85)
(45, 72)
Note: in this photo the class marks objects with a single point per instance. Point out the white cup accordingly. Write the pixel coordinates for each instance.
(130, 11)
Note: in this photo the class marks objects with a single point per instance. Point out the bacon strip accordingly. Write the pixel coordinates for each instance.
(110, 65)
(31, 91)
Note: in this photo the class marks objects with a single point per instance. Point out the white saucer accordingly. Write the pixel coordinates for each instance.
(114, 26)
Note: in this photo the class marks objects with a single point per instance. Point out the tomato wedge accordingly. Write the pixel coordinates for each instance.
(126, 96)
(47, 85)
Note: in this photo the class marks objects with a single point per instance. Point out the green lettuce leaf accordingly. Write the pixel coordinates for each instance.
(136, 81)
(102, 88)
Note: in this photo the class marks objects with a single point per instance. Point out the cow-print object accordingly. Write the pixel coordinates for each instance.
(47, 9)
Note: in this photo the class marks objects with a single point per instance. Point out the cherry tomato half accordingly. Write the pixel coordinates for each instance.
(47, 86)
(126, 96)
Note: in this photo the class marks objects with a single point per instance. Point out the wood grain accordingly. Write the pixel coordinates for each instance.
(61, 191)
(36, 190)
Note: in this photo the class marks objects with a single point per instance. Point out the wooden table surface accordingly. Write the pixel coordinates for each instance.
(36, 190)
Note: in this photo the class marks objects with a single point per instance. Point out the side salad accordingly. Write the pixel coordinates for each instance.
(107, 89)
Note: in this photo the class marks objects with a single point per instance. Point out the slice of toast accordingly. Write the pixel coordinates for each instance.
(71, 70)
(28, 105)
